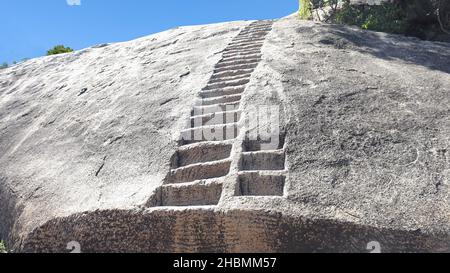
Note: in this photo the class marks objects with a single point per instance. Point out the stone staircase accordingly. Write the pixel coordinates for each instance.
(204, 157)
(262, 169)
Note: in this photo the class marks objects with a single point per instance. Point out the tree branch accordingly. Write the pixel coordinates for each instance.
(440, 20)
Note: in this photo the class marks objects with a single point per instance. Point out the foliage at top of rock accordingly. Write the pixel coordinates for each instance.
(2, 247)
(305, 9)
(59, 49)
(424, 19)
(385, 17)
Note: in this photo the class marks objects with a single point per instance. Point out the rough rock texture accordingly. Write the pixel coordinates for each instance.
(95, 129)
(91, 151)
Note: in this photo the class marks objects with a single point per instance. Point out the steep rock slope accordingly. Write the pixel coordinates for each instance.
(95, 129)
(95, 148)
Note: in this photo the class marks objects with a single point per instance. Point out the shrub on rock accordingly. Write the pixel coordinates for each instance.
(59, 49)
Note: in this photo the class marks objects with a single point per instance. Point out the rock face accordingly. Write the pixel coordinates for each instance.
(150, 146)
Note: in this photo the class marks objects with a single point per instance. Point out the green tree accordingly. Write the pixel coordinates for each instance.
(2, 247)
(4, 65)
(305, 9)
(59, 49)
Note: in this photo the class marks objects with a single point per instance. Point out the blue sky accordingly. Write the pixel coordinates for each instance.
(30, 27)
